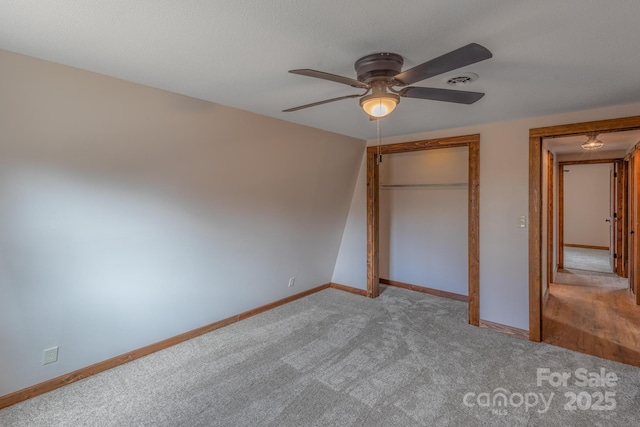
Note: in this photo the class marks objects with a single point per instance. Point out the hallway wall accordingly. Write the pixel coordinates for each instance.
(586, 204)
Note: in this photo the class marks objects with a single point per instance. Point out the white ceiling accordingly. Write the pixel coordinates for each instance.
(550, 56)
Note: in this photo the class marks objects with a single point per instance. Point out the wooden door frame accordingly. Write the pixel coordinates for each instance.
(625, 216)
(630, 206)
(621, 223)
(373, 211)
(536, 136)
(550, 217)
(561, 165)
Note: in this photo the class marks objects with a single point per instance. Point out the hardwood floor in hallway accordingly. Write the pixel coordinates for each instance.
(593, 313)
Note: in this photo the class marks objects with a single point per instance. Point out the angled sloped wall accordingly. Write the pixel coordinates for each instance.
(129, 215)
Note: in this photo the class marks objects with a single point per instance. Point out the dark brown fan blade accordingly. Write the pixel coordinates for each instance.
(331, 77)
(447, 95)
(466, 55)
(326, 101)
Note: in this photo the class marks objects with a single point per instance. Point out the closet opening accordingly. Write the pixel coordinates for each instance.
(420, 202)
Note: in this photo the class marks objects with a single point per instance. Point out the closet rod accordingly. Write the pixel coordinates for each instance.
(456, 184)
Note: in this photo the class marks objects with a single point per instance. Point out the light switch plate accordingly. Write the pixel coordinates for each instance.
(522, 221)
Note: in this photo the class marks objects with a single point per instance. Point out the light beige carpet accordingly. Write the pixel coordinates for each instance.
(587, 259)
(338, 359)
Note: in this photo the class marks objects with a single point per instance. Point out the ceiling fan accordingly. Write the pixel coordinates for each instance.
(381, 75)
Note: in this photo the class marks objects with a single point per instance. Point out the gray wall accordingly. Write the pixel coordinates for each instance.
(129, 214)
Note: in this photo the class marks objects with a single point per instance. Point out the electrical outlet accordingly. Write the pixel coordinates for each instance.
(292, 281)
(50, 355)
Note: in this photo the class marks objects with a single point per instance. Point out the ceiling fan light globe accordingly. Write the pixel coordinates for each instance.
(377, 106)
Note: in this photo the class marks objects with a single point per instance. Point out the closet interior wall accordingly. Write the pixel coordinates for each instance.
(424, 218)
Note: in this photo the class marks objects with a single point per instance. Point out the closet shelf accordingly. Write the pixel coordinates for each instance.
(454, 184)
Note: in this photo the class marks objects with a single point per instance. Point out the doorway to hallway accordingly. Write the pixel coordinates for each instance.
(588, 311)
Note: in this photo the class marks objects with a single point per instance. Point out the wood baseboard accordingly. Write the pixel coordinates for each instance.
(362, 292)
(571, 245)
(425, 290)
(504, 329)
(282, 301)
(54, 383)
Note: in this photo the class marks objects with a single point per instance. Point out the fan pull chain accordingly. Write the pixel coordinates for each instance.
(379, 158)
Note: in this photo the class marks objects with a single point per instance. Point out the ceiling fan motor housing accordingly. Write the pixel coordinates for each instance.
(378, 66)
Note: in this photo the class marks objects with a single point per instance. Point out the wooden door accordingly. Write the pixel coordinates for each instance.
(624, 215)
(611, 219)
(634, 259)
(634, 188)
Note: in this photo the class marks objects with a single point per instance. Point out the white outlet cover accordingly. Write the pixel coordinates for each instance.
(50, 355)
